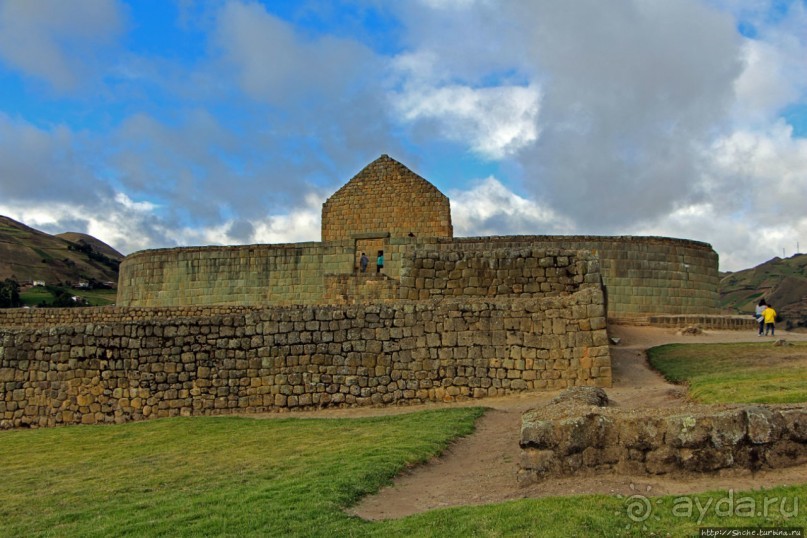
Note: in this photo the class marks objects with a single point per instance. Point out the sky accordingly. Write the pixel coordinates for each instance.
(152, 124)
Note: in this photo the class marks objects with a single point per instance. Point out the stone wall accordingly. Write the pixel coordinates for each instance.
(255, 275)
(246, 275)
(563, 440)
(256, 360)
(724, 323)
(326, 274)
(642, 275)
(386, 198)
(360, 288)
(32, 318)
(466, 270)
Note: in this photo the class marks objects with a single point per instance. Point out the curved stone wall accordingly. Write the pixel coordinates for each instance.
(240, 275)
(642, 275)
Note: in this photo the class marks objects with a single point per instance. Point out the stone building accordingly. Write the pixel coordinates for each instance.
(388, 208)
(239, 329)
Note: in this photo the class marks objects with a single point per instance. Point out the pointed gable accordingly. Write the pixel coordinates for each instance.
(386, 197)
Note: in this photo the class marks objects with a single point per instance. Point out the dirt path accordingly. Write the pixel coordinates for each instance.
(481, 468)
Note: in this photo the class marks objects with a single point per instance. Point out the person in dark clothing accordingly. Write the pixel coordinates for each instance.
(758, 314)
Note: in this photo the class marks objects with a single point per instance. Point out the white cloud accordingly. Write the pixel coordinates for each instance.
(303, 224)
(300, 224)
(490, 208)
(756, 190)
(767, 83)
(495, 122)
(633, 91)
(128, 203)
(771, 169)
(742, 240)
(59, 42)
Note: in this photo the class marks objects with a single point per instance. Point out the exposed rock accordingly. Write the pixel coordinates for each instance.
(583, 395)
(555, 441)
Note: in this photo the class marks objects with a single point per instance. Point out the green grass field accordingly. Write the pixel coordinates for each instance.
(38, 295)
(99, 297)
(736, 373)
(293, 477)
(230, 476)
(35, 296)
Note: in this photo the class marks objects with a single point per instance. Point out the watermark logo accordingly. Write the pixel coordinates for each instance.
(639, 508)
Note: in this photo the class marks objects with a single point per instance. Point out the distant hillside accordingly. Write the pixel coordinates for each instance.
(96, 244)
(27, 255)
(781, 282)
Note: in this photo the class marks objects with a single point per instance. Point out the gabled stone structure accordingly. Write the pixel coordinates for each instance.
(386, 199)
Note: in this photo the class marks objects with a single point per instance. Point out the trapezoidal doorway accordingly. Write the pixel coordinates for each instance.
(369, 244)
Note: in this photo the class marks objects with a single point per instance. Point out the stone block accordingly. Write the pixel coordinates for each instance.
(764, 425)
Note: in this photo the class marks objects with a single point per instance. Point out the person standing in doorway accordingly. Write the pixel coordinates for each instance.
(380, 261)
(363, 261)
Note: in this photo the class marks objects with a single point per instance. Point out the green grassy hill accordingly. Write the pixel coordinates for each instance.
(96, 244)
(781, 282)
(27, 255)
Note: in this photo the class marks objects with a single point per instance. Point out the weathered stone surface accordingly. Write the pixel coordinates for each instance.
(795, 422)
(763, 424)
(555, 441)
(386, 196)
(583, 395)
(214, 360)
(573, 435)
(641, 433)
(536, 432)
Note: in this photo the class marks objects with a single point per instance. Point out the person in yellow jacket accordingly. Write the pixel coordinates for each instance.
(769, 316)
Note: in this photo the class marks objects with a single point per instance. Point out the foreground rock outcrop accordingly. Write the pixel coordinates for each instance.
(578, 434)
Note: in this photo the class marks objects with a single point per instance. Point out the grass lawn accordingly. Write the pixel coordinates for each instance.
(736, 373)
(98, 297)
(36, 295)
(233, 476)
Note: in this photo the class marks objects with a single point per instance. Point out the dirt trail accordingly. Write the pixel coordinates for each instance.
(481, 468)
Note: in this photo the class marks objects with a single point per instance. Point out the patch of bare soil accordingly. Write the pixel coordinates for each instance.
(481, 468)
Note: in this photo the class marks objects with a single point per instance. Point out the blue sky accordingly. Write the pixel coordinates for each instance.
(168, 123)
